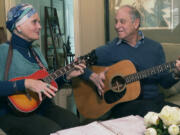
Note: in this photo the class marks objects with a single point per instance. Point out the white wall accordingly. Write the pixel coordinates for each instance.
(89, 25)
(2, 13)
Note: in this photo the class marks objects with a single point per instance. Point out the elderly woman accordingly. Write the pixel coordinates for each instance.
(24, 24)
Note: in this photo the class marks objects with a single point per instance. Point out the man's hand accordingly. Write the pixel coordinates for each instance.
(98, 80)
(177, 69)
(178, 64)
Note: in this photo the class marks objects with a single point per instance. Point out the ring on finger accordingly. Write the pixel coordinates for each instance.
(42, 90)
(48, 86)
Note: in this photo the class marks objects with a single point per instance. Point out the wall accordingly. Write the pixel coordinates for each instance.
(4, 7)
(89, 25)
(2, 13)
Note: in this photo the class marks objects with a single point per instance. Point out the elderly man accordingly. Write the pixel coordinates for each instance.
(144, 53)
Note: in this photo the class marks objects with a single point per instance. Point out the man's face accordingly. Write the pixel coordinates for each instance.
(30, 29)
(124, 26)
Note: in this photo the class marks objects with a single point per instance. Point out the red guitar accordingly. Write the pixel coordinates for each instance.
(29, 102)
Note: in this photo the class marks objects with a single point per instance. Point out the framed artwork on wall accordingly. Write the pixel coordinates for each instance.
(155, 14)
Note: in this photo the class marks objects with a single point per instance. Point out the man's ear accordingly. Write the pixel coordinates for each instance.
(136, 23)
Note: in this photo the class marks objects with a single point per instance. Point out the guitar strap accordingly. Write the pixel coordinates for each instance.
(8, 62)
(37, 59)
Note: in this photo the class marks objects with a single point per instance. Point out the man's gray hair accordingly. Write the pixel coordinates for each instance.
(135, 14)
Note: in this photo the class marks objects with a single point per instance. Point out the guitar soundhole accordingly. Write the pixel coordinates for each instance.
(117, 90)
(111, 96)
(117, 84)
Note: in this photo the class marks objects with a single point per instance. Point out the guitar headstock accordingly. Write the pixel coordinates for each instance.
(89, 58)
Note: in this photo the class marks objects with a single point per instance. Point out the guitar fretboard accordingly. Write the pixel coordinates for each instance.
(60, 72)
(87, 59)
(149, 72)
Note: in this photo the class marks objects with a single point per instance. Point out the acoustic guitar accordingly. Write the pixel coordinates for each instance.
(121, 85)
(29, 102)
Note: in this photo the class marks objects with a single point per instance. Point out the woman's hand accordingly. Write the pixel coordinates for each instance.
(40, 87)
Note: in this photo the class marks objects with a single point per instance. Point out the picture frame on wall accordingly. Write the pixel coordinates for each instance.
(155, 14)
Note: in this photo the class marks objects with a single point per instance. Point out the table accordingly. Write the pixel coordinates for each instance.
(130, 125)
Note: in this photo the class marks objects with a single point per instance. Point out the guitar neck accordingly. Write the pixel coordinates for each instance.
(88, 59)
(149, 72)
(60, 72)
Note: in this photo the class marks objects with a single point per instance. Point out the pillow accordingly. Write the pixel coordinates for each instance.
(172, 52)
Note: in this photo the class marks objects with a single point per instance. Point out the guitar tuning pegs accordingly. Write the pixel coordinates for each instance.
(89, 58)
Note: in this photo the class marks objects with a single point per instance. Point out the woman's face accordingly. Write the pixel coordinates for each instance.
(30, 29)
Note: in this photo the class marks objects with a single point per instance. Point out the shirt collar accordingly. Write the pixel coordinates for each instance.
(140, 33)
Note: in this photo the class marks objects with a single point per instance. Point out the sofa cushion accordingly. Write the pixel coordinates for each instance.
(172, 52)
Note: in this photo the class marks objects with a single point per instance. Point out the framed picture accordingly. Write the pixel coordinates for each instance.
(155, 14)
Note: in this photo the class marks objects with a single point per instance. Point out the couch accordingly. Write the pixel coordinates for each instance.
(172, 51)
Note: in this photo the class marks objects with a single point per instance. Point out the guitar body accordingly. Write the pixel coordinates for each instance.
(24, 103)
(28, 102)
(90, 104)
